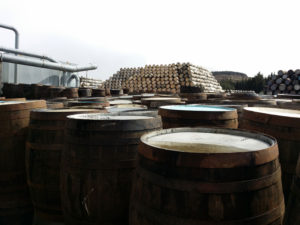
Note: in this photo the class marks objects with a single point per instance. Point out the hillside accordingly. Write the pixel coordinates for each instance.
(229, 75)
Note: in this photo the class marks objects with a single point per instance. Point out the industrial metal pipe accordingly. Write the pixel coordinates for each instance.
(19, 52)
(16, 46)
(43, 64)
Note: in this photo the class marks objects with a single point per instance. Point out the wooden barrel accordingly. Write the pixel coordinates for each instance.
(288, 104)
(25, 90)
(107, 92)
(200, 176)
(244, 96)
(70, 93)
(45, 91)
(125, 108)
(55, 105)
(116, 92)
(284, 125)
(56, 92)
(98, 162)
(216, 95)
(14, 99)
(239, 109)
(15, 203)
(43, 157)
(36, 91)
(292, 215)
(194, 97)
(155, 103)
(85, 92)
(88, 103)
(98, 92)
(120, 102)
(151, 113)
(198, 115)
(250, 103)
(11, 90)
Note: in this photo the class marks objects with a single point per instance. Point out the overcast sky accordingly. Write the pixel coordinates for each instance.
(238, 35)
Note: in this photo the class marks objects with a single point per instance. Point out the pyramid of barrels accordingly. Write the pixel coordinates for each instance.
(287, 82)
(163, 79)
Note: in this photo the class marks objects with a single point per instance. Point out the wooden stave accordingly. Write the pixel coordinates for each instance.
(292, 216)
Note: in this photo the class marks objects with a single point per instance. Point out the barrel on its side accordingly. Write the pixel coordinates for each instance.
(284, 125)
(15, 204)
(98, 162)
(292, 215)
(43, 157)
(207, 176)
(198, 115)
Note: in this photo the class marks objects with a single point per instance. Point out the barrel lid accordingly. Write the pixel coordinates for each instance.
(275, 116)
(203, 112)
(162, 99)
(57, 114)
(99, 116)
(197, 107)
(112, 122)
(209, 147)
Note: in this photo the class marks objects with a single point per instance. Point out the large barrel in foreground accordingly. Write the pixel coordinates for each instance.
(98, 162)
(15, 203)
(198, 115)
(292, 216)
(284, 125)
(43, 157)
(207, 176)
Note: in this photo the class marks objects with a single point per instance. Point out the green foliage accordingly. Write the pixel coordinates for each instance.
(256, 83)
(227, 84)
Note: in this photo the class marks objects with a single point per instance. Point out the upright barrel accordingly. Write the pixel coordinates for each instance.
(284, 125)
(43, 156)
(292, 215)
(15, 203)
(98, 162)
(155, 103)
(198, 115)
(207, 176)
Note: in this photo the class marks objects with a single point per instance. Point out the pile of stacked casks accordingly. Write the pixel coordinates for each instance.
(163, 79)
(173, 163)
(287, 82)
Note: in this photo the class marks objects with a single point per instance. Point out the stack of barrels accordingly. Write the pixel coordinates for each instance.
(15, 204)
(284, 82)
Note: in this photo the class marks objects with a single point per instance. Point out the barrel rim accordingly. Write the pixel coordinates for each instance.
(168, 107)
(210, 160)
(106, 117)
(269, 118)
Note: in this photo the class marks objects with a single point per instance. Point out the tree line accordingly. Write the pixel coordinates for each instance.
(256, 83)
